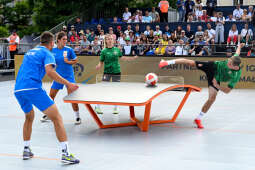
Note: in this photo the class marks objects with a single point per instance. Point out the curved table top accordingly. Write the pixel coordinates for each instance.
(120, 93)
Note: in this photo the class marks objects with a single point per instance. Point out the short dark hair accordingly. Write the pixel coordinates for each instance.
(236, 60)
(46, 37)
(60, 35)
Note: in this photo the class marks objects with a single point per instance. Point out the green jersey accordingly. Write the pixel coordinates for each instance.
(110, 57)
(224, 74)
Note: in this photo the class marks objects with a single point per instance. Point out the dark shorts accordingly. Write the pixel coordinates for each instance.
(114, 77)
(209, 68)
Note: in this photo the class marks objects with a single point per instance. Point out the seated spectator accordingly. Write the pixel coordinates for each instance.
(137, 16)
(186, 48)
(92, 36)
(121, 40)
(170, 49)
(246, 35)
(64, 29)
(87, 32)
(147, 31)
(98, 30)
(183, 37)
(126, 15)
(173, 37)
(139, 49)
(147, 18)
(245, 16)
(230, 18)
(250, 11)
(76, 46)
(85, 45)
(179, 50)
(131, 19)
(161, 49)
(128, 30)
(72, 32)
(178, 32)
(237, 13)
(154, 15)
(199, 12)
(115, 20)
(211, 33)
(165, 39)
(156, 41)
(232, 35)
(190, 18)
(81, 33)
(73, 36)
(131, 37)
(118, 31)
(205, 17)
(101, 37)
(96, 47)
(127, 47)
(199, 31)
(151, 36)
(158, 31)
(206, 49)
(167, 31)
(78, 24)
(137, 31)
(112, 34)
(189, 34)
(196, 49)
(251, 52)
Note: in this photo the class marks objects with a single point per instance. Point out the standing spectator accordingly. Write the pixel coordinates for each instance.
(205, 17)
(230, 18)
(199, 12)
(154, 15)
(219, 36)
(13, 40)
(158, 31)
(126, 15)
(98, 30)
(211, 5)
(189, 34)
(189, 6)
(147, 31)
(250, 11)
(163, 6)
(246, 35)
(180, 9)
(147, 18)
(78, 24)
(237, 13)
(232, 35)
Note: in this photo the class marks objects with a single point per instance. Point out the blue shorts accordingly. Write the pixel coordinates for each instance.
(57, 86)
(36, 97)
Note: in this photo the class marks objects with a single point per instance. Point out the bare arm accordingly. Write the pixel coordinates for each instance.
(99, 65)
(223, 89)
(50, 71)
(238, 50)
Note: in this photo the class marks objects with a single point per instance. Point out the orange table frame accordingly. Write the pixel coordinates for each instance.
(143, 125)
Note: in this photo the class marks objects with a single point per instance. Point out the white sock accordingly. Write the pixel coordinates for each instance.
(77, 114)
(98, 106)
(201, 114)
(27, 143)
(169, 62)
(64, 147)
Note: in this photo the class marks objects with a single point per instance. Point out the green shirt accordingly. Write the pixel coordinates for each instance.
(224, 74)
(110, 57)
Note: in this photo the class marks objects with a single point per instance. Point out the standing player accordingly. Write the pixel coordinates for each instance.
(216, 72)
(65, 58)
(110, 59)
(28, 92)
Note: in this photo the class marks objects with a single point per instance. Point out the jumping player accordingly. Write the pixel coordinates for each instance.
(65, 58)
(216, 72)
(110, 59)
(28, 92)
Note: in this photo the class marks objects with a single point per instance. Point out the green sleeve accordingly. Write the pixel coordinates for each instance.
(235, 80)
(120, 53)
(102, 56)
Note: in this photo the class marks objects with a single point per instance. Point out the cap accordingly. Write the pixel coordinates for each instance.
(64, 27)
(118, 27)
(72, 26)
(127, 39)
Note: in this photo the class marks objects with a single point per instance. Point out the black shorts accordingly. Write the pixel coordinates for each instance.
(209, 68)
(114, 77)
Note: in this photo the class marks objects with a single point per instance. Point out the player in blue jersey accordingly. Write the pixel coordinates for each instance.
(28, 92)
(65, 58)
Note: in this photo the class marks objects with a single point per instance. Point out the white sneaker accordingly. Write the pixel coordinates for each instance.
(77, 121)
(45, 118)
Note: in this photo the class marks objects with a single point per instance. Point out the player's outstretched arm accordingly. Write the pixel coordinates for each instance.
(50, 71)
(240, 46)
(125, 58)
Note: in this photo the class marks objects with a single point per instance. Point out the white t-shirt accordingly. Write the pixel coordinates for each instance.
(232, 33)
(214, 19)
(179, 50)
(127, 49)
(211, 32)
(126, 15)
(237, 14)
(127, 32)
(199, 13)
(244, 32)
(146, 32)
(157, 32)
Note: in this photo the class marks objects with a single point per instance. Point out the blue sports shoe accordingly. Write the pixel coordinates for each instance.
(27, 153)
(69, 159)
